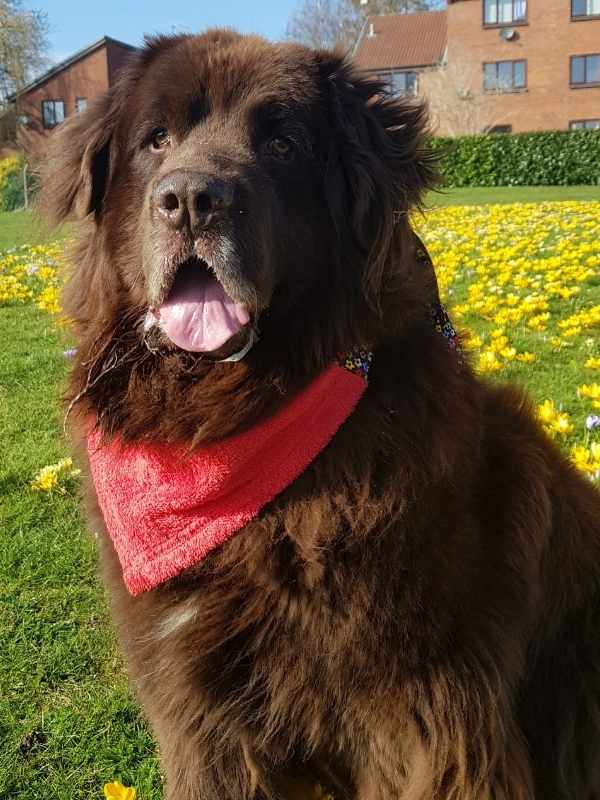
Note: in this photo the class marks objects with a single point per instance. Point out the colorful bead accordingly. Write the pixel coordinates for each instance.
(358, 361)
(442, 323)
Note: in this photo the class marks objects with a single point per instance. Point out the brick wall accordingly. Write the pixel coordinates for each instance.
(87, 78)
(546, 42)
(117, 56)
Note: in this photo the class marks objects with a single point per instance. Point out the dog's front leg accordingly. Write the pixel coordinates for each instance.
(210, 771)
(453, 750)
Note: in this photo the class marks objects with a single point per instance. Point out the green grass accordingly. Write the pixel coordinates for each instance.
(483, 195)
(67, 721)
(23, 227)
(463, 232)
(556, 372)
(18, 227)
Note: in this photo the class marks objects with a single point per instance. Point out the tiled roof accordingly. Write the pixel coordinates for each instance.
(105, 40)
(402, 40)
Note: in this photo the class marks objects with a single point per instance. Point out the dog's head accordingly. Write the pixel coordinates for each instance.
(233, 186)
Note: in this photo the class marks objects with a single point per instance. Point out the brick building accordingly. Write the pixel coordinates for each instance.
(504, 65)
(66, 89)
(399, 48)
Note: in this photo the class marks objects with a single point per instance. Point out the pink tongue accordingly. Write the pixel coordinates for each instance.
(198, 315)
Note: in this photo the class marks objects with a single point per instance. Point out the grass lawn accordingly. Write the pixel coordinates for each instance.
(67, 722)
(23, 227)
(524, 279)
(19, 227)
(483, 195)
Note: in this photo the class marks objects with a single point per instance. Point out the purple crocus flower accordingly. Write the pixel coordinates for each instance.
(592, 422)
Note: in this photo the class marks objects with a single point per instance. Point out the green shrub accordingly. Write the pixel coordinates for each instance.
(11, 183)
(12, 191)
(554, 158)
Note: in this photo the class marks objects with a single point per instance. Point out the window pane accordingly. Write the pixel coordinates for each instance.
(80, 104)
(579, 7)
(59, 111)
(593, 7)
(48, 113)
(398, 83)
(491, 12)
(388, 80)
(586, 125)
(578, 70)
(520, 9)
(506, 11)
(489, 76)
(593, 69)
(505, 75)
(519, 74)
(411, 83)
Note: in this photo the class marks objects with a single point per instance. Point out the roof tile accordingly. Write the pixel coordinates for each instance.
(402, 40)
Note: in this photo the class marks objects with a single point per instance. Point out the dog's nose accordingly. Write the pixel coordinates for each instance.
(190, 198)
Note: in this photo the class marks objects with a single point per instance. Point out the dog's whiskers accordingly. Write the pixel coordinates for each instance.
(111, 364)
(108, 364)
(140, 274)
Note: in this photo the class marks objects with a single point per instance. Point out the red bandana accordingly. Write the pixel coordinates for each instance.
(166, 509)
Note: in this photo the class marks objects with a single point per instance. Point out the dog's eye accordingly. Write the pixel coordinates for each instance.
(282, 149)
(159, 140)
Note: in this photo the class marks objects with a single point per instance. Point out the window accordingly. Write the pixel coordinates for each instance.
(500, 129)
(504, 12)
(585, 125)
(505, 76)
(585, 8)
(585, 70)
(53, 112)
(80, 104)
(400, 83)
(403, 83)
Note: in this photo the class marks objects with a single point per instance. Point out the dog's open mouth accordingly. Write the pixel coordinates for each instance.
(198, 315)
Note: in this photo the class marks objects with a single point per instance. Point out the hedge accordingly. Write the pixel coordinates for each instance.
(11, 183)
(555, 158)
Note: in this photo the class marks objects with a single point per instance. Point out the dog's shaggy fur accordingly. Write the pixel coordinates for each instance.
(418, 615)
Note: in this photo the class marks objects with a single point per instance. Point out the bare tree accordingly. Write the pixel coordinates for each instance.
(395, 6)
(325, 23)
(337, 23)
(457, 103)
(23, 46)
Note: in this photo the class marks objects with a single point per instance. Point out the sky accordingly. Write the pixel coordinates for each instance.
(75, 24)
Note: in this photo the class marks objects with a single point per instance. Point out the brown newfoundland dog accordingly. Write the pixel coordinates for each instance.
(411, 607)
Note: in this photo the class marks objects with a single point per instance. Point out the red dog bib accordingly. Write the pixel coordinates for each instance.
(165, 508)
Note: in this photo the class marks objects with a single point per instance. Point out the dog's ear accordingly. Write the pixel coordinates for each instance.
(378, 163)
(75, 173)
